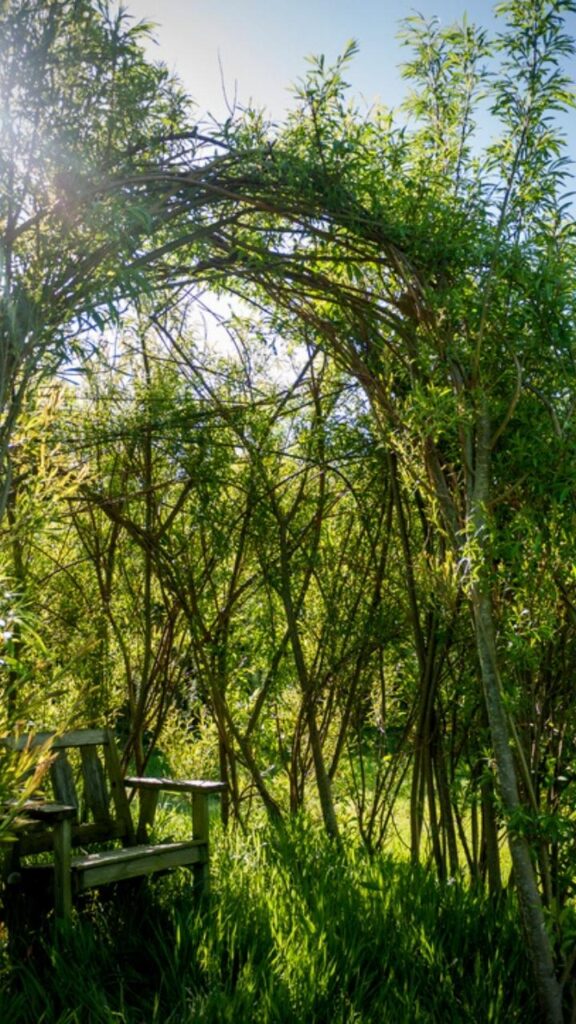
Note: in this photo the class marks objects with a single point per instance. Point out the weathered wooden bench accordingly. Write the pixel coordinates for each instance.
(91, 809)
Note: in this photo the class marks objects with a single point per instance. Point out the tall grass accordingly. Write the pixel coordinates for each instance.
(296, 932)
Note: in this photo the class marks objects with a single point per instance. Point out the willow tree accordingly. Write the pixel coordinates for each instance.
(94, 143)
(77, 103)
(441, 277)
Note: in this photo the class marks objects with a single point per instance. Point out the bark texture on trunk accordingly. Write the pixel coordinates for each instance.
(531, 910)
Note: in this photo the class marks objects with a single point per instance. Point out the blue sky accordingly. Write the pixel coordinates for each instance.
(261, 45)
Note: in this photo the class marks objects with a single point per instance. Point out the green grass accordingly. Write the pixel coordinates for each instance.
(297, 932)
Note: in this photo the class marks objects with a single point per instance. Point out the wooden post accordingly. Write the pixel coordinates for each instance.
(200, 831)
(62, 866)
(148, 803)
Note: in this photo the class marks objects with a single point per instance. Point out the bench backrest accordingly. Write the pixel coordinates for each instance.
(84, 772)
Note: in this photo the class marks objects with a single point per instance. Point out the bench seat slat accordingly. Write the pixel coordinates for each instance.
(132, 853)
(133, 862)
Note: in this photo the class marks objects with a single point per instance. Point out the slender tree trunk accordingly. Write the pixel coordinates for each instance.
(490, 838)
(443, 788)
(323, 783)
(538, 943)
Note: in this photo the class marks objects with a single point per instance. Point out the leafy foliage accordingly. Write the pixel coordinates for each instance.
(354, 584)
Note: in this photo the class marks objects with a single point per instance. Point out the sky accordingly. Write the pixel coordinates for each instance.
(258, 47)
(255, 50)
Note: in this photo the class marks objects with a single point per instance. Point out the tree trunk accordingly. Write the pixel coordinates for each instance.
(538, 943)
(490, 838)
(323, 783)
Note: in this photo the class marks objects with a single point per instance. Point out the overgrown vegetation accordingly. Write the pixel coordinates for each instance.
(325, 551)
(297, 931)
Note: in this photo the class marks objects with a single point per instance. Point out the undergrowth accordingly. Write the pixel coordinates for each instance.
(297, 932)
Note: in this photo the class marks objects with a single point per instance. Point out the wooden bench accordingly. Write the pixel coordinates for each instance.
(91, 808)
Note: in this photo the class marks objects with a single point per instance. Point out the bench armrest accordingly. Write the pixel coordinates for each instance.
(198, 789)
(59, 817)
(176, 785)
(50, 813)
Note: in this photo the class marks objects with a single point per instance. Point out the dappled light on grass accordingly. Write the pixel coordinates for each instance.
(297, 932)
